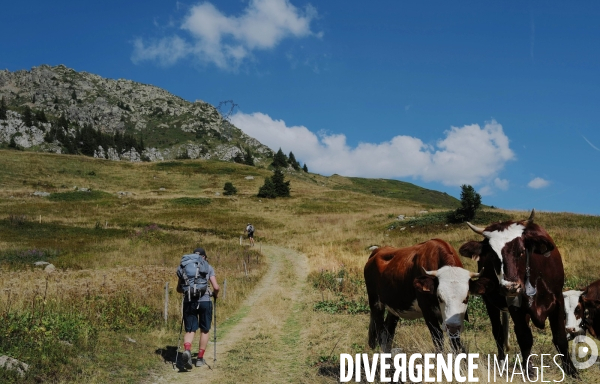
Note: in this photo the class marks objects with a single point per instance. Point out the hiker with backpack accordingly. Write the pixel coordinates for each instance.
(194, 273)
(250, 230)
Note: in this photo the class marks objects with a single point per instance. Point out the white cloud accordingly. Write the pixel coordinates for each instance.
(227, 41)
(486, 191)
(501, 183)
(537, 183)
(467, 155)
(166, 51)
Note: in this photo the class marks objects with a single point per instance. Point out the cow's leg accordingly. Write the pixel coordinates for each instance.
(523, 333)
(437, 335)
(497, 331)
(376, 324)
(389, 330)
(559, 338)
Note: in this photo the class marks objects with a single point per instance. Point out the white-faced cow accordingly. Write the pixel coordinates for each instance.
(426, 280)
(583, 311)
(527, 275)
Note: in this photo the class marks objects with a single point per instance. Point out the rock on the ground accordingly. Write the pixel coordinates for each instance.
(11, 364)
(40, 263)
(40, 193)
(50, 268)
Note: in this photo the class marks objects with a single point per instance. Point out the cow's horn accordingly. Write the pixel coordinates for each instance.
(430, 273)
(476, 274)
(475, 229)
(530, 220)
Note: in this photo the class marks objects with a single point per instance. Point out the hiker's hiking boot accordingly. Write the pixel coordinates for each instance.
(186, 358)
(200, 362)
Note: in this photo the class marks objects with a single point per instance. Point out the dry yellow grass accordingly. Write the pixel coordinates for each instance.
(333, 228)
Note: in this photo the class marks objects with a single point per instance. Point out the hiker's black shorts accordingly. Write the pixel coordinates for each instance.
(251, 235)
(197, 315)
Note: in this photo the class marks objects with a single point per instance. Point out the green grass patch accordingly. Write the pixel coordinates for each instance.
(400, 190)
(14, 257)
(342, 305)
(191, 201)
(79, 196)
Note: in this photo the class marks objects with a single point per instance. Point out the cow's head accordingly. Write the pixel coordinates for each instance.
(450, 287)
(574, 313)
(505, 245)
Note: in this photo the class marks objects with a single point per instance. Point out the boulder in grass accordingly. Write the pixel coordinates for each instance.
(50, 268)
(11, 364)
(41, 263)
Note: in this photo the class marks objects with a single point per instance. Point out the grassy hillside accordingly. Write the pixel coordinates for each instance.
(115, 248)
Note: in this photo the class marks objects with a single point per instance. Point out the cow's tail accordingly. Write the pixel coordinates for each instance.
(505, 332)
(372, 333)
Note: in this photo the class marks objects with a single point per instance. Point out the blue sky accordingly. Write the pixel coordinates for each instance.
(502, 96)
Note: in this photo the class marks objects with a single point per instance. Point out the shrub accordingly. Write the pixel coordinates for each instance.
(229, 189)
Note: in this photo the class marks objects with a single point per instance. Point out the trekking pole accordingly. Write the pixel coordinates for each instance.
(215, 338)
(179, 339)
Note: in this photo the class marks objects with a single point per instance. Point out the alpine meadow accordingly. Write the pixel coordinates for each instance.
(98, 316)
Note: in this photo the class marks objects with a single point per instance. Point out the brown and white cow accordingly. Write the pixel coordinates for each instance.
(426, 280)
(527, 275)
(583, 311)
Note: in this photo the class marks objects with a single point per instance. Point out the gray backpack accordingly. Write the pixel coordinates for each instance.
(193, 270)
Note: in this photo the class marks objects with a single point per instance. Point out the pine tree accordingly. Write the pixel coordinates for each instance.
(470, 201)
(12, 143)
(305, 168)
(3, 109)
(239, 158)
(280, 160)
(28, 117)
(248, 159)
(293, 161)
(268, 189)
(282, 188)
(229, 189)
(41, 116)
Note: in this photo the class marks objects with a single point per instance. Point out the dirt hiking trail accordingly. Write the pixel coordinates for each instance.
(266, 344)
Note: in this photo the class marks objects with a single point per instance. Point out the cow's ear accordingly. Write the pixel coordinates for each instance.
(479, 286)
(471, 249)
(540, 244)
(425, 284)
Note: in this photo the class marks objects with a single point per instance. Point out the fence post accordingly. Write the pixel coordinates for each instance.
(241, 240)
(166, 301)
(224, 289)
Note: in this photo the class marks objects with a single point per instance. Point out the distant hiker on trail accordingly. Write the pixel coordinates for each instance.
(250, 230)
(194, 274)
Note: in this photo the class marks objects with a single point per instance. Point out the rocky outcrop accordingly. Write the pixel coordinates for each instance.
(173, 127)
